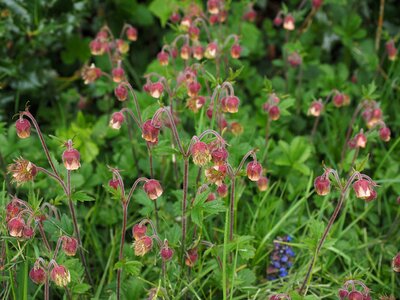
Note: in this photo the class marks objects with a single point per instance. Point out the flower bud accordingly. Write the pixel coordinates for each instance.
(355, 295)
(211, 197)
(194, 104)
(193, 88)
(396, 263)
(22, 171)
(113, 183)
(156, 89)
(149, 131)
(163, 58)
(200, 153)
(213, 19)
(139, 231)
(198, 52)
(185, 52)
(60, 275)
(27, 232)
(191, 257)
(294, 59)
(185, 23)
(230, 104)
(12, 210)
(222, 190)
(166, 252)
(219, 156)
(362, 188)
(102, 35)
(153, 189)
(122, 46)
(71, 159)
(211, 50)
(262, 184)
(278, 21)
(274, 112)
(23, 127)
(118, 74)
(338, 99)
(288, 22)
(322, 185)
(194, 33)
(235, 51)
(37, 275)
(131, 33)
(384, 134)
(175, 17)
(254, 170)
(69, 245)
(121, 92)
(117, 119)
(250, 15)
(213, 6)
(391, 50)
(90, 74)
(343, 293)
(96, 47)
(16, 227)
(360, 140)
(143, 245)
(315, 108)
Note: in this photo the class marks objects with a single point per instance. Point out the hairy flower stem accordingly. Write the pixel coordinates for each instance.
(184, 202)
(46, 289)
(76, 227)
(150, 153)
(232, 209)
(121, 247)
(348, 133)
(44, 238)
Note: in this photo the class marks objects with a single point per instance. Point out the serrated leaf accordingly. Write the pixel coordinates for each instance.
(82, 197)
(81, 288)
(132, 267)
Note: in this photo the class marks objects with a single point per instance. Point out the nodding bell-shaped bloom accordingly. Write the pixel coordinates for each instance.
(121, 92)
(185, 52)
(131, 33)
(69, 245)
(90, 74)
(216, 174)
(166, 252)
(230, 104)
(191, 257)
(396, 263)
(288, 22)
(391, 50)
(38, 275)
(338, 99)
(211, 50)
(117, 119)
(113, 183)
(16, 227)
(71, 159)
(219, 156)
(211, 197)
(316, 108)
(150, 132)
(122, 46)
(28, 232)
(12, 210)
(343, 293)
(274, 112)
(193, 89)
(163, 58)
(60, 275)
(23, 127)
(156, 89)
(363, 189)
(360, 140)
(175, 17)
(96, 47)
(213, 6)
(195, 103)
(153, 189)
(143, 245)
(22, 171)
(262, 184)
(254, 170)
(194, 33)
(222, 190)
(322, 185)
(250, 15)
(294, 59)
(118, 74)
(384, 134)
(200, 153)
(235, 51)
(198, 52)
(139, 231)
(186, 23)
(278, 21)
(355, 295)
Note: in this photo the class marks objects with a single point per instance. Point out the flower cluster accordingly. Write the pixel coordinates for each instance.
(59, 274)
(271, 107)
(354, 290)
(281, 259)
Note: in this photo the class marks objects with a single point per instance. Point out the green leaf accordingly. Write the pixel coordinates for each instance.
(163, 9)
(132, 267)
(81, 288)
(82, 197)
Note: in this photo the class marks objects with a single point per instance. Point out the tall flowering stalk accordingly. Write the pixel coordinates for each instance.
(363, 187)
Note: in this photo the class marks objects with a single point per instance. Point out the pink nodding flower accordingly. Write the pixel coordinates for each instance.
(211, 50)
(69, 245)
(254, 170)
(250, 15)
(200, 153)
(195, 103)
(338, 99)
(96, 47)
(316, 108)
(150, 132)
(278, 21)
(396, 263)
(294, 59)
(391, 50)
(198, 52)
(131, 33)
(28, 232)
(262, 184)
(222, 190)
(38, 275)
(185, 52)
(363, 189)
(384, 134)
(185, 23)
(194, 33)
(139, 231)
(163, 58)
(355, 295)
(156, 89)
(230, 104)
(143, 245)
(16, 227)
(122, 46)
(118, 74)
(121, 92)
(23, 127)
(175, 17)
(360, 140)
(12, 210)
(113, 183)
(236, 128)
(274, 112)
(322, 185)
(235, 51)
(60, 275)
(117, 119)
(90, 73)
(153, 189)
(71, 159)
(219, 156)
(191, 257)
(213, 6)
(288, 22)
(193, 88)
(166, 252)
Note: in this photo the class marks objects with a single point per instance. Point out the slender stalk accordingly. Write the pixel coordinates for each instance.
(380, 23)
(121, 247)
(349, 130)
(46, 289)
(267, 130)
(76, 227)
(315, 126)
(232, 208)
(150, 153)
(43, 235)
(184, 202)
